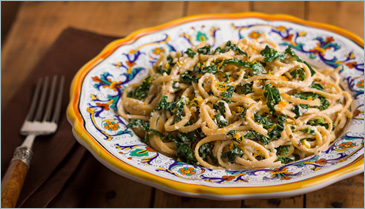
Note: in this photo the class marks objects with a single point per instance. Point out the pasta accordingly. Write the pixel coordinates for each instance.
(243, 105)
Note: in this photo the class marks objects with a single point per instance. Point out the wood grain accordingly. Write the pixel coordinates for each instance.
(345, 14)
(110, 190)
(348, 193)
(207, 7)
(290, 202)
(12, 183)
(9, 10)
(295, 8)
(39, 23)
(166, 200)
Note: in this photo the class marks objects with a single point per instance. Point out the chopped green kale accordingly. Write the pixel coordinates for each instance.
(272, 96)
(190, 53)
(141, 91)
(232, 154)
(300, 109)
(298, 73)
(264, 120)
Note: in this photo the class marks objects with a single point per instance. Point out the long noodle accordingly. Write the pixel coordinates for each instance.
(243, 105)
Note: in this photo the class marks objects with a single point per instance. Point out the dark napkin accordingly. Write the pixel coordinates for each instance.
(61, 169)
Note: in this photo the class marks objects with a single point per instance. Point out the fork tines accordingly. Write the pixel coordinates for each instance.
(37, 115)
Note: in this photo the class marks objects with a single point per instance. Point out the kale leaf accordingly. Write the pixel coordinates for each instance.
(231, 133)
(318, 121)
(141, 91)
(205, 152)
(282, 150)
(309, 131)
(169, 60)
(204, 50)
(186, 77)
(298, 72)
(179, 110)
(232, 153)
(235, 48)
(271, 54)
(188, 137)
(165, 105)
(190, 53)
(316, 86)
(228, 93)
(264, 120)
(285, 160)
(136, 123)
(272, 96)
(247, 88)
(220, 107)
(175, 85)
(162, 71)
(256, 67)
(253, 135)
(300, 109)
(220, 120)
(184, 153)
(276, 131)
(305, 95)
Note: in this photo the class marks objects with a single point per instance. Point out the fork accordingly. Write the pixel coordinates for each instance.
(34, 125)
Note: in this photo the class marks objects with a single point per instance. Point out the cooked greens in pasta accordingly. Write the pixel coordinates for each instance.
(242, 105)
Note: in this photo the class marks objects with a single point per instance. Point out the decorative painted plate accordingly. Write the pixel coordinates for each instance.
(97, 88)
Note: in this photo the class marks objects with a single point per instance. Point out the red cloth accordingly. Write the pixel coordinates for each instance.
(61, 169)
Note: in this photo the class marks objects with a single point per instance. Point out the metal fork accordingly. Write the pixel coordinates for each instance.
(36, 123)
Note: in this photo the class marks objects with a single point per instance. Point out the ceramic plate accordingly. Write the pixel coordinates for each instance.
(97, 88)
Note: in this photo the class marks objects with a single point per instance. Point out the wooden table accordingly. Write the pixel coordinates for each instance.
(38, 24)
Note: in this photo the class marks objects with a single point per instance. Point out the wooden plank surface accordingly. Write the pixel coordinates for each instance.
(295, 8)
(39, 23)
(345, 14)
(111, 190)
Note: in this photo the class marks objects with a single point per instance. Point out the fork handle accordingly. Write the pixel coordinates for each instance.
(14, 177)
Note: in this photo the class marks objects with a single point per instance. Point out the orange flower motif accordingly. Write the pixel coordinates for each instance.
(356, 113)
(289, 38)
(228, 178)
(188, 171)
(130, 64)
(351, 64)
(360, 84)
(347, 145)
(96, 79)
(111, 126)
(282, 173)
(105, 106)
(158, 50)
(255, 35)
(329, 39)
(321, 161)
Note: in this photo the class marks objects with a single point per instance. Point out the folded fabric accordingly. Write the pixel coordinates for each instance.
(61, 169)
